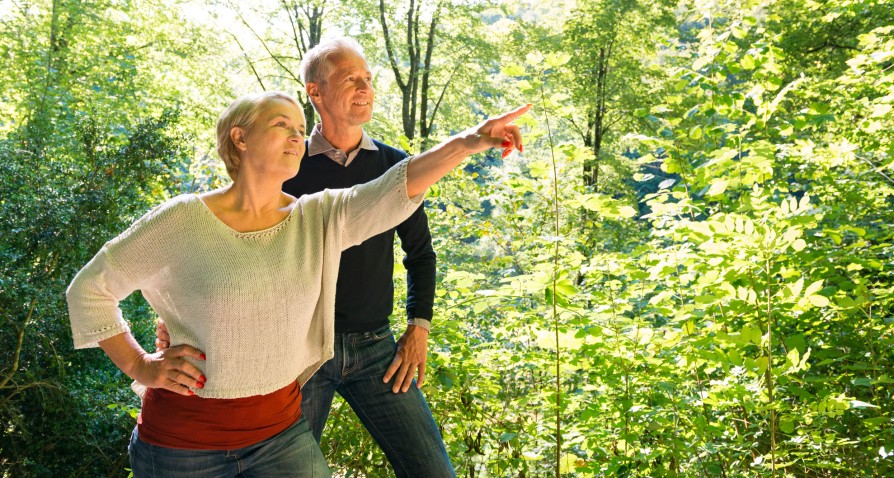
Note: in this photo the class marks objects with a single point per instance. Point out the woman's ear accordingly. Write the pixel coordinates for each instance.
(237, 136)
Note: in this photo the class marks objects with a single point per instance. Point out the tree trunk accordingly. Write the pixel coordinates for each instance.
(305, 37)
(596, 127)
(416, 87)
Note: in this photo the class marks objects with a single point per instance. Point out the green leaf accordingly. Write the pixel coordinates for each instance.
(695, 133)
(445, 381)
(786, 426)
(876, 421)
(513, 70)
(566, 288)
(555, 60)
(626, 212)
(717, 187)
(818, 300)
(534, 58)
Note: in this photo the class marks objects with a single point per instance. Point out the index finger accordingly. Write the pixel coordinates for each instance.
(187, 351)
(395, 364)
(512, 115)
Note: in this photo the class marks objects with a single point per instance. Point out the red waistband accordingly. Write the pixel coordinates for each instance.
(178, 421)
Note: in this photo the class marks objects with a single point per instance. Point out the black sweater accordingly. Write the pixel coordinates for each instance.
(364, 295)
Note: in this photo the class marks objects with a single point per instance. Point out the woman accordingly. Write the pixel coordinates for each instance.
(245, 274)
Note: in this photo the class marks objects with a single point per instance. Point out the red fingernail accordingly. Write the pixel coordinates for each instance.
(521, 148)
(203, 356)
(191, 393)
(505, 153)
(506, 143)
(200, 385)
(202, 378)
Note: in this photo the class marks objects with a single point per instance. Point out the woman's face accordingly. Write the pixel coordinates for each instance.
(274, 145)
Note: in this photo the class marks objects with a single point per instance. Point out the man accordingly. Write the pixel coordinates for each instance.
(372, 372)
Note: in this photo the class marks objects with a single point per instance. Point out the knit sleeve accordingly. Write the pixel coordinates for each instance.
(123, 265)
(375, 207)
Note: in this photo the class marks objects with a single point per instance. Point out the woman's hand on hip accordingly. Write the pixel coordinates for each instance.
(168, 369)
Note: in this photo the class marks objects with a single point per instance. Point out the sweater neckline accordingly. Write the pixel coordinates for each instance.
(248, 234)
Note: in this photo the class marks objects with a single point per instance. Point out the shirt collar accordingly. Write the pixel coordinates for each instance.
(317, 144)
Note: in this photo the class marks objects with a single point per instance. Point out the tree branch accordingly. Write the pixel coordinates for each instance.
(388, 49)
(20, 338)
(298, 39)
(250, 64)
(274, 57)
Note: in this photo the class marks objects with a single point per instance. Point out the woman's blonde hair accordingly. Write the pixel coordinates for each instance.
(243, 112)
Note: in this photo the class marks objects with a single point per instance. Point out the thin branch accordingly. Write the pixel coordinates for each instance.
(248, 60)
(19, 340)
(577, 128)
(434, 111)
(299, 40)
(272, 55)
(876, 168)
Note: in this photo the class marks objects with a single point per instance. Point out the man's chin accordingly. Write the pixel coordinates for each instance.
(361, 119)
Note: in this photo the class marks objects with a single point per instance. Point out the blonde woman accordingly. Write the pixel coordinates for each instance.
(244, 277)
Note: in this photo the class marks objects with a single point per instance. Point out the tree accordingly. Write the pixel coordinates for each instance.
(613, 42)
(425, 79)
(93, 139)
(289, 30)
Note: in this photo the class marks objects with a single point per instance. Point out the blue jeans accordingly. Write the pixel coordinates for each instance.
(291, 453)
(401, 423)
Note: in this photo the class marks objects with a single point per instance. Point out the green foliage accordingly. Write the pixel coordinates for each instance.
(719, 304)
(58, 213)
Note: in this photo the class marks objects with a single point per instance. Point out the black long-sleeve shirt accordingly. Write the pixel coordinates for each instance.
(364, 294)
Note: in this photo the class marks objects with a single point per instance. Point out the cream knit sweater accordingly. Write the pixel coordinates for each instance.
(261, 305)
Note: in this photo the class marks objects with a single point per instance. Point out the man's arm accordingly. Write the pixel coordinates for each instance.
(420, 261)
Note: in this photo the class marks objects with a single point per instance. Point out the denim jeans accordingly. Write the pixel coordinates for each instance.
(401, 423)
(291, 453)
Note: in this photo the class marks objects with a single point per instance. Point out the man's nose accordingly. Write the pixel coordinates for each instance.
(364, 84)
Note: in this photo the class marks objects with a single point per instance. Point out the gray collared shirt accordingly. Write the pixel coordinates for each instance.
(319, 145)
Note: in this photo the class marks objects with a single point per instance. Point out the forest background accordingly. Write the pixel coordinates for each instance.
(687, 273)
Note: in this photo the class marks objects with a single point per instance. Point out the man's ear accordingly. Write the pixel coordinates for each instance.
(237, 136)
(313, 90)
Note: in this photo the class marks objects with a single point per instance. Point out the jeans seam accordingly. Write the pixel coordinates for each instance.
(379, 432)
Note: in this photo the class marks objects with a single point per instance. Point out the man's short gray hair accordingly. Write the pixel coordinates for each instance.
(315, 66)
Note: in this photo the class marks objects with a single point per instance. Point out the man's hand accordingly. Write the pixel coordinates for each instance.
(162, 337)
(412, 351)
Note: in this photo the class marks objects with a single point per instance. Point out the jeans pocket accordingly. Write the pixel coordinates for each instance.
(382, 333)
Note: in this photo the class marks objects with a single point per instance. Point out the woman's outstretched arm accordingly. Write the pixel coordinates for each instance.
(499, 132)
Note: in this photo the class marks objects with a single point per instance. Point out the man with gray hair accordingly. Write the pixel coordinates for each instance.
(372, 372)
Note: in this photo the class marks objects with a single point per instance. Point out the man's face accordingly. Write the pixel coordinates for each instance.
(347, 96)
